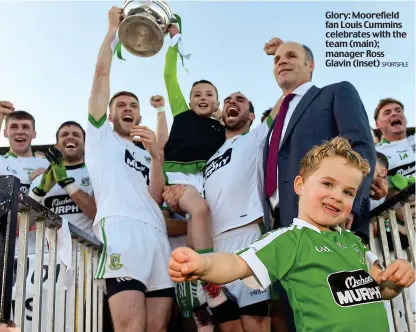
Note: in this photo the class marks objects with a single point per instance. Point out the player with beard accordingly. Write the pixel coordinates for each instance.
(128, 182)
(194, 138)
(65, 188)
(20, 160)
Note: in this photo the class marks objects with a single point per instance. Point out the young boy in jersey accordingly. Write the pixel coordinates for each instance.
(333, 282)
(195, 136)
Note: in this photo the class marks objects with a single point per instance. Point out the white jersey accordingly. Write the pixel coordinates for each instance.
(21, 167)
(120, 173)
(58, 201)
(231, 182)
(401, 155)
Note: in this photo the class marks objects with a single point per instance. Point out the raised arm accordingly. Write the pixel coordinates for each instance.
(162, 132)
(176, 99)
(6, 108)
(270, 49)
(100, 92)
(219, 268)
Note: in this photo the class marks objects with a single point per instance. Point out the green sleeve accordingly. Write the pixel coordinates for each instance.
(273, 255)
(176, 99)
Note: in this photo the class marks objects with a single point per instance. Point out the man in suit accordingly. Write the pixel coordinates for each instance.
(307, 116)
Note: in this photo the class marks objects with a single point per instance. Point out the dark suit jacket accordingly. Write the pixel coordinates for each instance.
(322, 114)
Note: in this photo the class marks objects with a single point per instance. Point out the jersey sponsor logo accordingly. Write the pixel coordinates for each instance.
(218, 162)
(85, 182)
(138, 166)
(341, 245)
(350, 288)
(24, 188)
(123, 279)
(359, 253)
(257, 292)
(11, 170)
(404, 170)
(115, 262)
(322, 249)
(61, 204)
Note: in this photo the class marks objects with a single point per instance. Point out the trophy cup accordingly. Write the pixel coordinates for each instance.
(144, 26)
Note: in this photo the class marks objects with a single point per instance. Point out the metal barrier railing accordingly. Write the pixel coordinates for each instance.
(380, 245)
(77, 308)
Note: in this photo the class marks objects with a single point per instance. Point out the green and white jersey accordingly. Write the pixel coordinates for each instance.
(401, 155)
(21, 167)
(231, 183)
(58, 201)
(325, 275)
(120, 174)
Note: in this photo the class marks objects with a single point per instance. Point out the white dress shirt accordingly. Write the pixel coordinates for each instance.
(299, 92)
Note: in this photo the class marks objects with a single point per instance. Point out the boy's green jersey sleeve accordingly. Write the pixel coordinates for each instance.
(176, 99)
(271, 256)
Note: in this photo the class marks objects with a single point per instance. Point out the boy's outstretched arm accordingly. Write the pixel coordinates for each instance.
(218, 268)
(397, 275)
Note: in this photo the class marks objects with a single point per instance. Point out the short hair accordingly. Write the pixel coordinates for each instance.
(384, 102)
(382, 159)
(69, 123)
(20, 115)
(265, 114)
(338, 146)
(8, 322)
(308, 52)
(203, 82)
(250, 107)
(122, 93)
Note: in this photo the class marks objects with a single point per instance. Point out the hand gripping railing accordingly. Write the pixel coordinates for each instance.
(380, 246)
(77, 308)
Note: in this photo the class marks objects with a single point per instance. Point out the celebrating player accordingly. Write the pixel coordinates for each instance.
(65, 188)
(128, 181)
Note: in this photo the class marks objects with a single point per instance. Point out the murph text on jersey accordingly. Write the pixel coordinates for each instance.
(218, 162)
(350, 288)
(62, 204)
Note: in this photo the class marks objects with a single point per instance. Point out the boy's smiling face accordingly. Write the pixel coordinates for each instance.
(326, 196)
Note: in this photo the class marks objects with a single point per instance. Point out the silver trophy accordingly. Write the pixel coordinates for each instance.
(144, 26)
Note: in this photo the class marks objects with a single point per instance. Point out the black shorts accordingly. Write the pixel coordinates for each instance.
(117, 285)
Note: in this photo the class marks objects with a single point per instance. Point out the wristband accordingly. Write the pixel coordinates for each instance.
(71, 188)
(160, 109)
(37, 198)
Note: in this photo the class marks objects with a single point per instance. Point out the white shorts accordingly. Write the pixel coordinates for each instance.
(196, 180)
(230, 242)
(133, 249)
